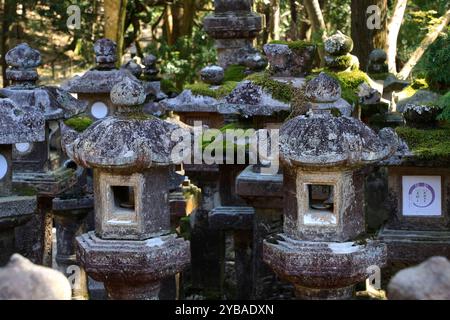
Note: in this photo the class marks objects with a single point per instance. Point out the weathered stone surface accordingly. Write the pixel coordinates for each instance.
(231, 218)
(391, 83)
(212, 74)
(105, 53)
(428, 281)
(234, 25)
(187, 101)
(20, 123)
(421, 97)
(324, 140)
(128, 93)
(102, 78)
(249, 99)
(153, 88)
(338, 44)
(97, 81)
(22, 280)
(133, 67)
(17, 206)
(377, 62)
(52, 101)
(22, 61)
(323, 88)
(327, 266)
(133, 263)
(129, 140)
(285, 62)
(125, 142)
(151, 70)
(420, 116)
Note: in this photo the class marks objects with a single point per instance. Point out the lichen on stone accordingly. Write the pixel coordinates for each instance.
(280, 91)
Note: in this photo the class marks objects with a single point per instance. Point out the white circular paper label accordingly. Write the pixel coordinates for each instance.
(23, 147)
(99, 110)
(3, 166)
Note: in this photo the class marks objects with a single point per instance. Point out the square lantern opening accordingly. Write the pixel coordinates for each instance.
(320, 209)
(123, 204)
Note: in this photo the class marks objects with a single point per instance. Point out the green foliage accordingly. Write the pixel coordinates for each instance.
(427, 144)
(235, 73)
(182, 60)
(168, 87)
(204, 89)
(79, 123)
(435, 63)
(444, 104)
(280, 91)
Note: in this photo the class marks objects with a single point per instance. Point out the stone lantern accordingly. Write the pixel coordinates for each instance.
(17, 124)
(234, 26)
(323, 250)
(131, 249)
(55, 103)
(39, 167)
(95, 85)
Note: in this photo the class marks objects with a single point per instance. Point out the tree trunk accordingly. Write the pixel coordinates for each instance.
(293, 30)
(365, 35)
(9, 13)
(319, 29)
(426, 42)
(316, 17)
(394, 25)
(275, 19)
(115, 11)
(168, 25)
(188, 17)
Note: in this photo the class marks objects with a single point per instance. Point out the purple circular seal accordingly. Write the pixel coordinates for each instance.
(426, 186)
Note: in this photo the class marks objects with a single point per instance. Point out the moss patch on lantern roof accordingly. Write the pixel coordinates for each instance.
(79, 123)
(279, 90)
(427, 144)
(294, 45)
(349, 81)
(204, 89)
(235, 73)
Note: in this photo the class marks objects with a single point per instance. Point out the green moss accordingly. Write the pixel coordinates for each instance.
(235, 73)
(204, 89)
(295, 45)
(420, 84)
(168, 87)
(342, 62)
(280, 91)
(427, 144)
(79, 123)
(349, 81)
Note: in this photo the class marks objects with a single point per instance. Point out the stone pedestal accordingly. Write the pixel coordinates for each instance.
(14, 211)
(132, 270)
(322, 270)
(264, 193)
(69, 216)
